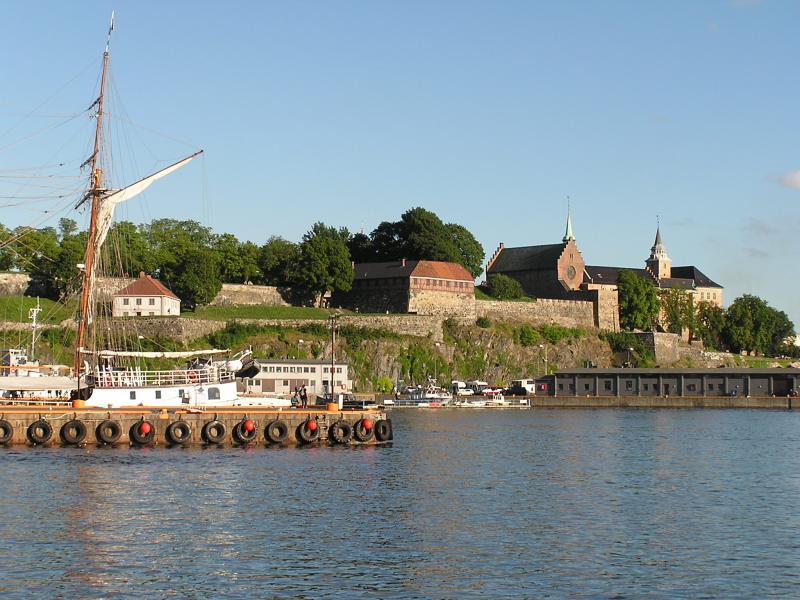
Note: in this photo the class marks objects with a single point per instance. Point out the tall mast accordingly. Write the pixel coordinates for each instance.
(94, 195)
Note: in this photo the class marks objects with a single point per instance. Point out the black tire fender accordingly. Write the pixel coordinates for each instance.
(306, 435)
(6, 432)
(178, 432)
(340, 432)
(362, 433)
(383, 430)
(108, 432)
(142, 439)
(276, 431)
(214, 432)
(72, 432)
(39, 432)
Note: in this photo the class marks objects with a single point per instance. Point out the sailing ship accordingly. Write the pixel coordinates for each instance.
(100, 378)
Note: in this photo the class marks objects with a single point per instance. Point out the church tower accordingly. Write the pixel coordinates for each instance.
(659, 264)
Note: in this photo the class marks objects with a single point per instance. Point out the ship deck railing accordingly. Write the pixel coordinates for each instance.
(130, 378)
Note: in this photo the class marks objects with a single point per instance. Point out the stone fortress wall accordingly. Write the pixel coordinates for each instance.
(426, 305)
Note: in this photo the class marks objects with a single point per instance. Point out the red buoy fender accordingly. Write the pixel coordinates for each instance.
(364, 430)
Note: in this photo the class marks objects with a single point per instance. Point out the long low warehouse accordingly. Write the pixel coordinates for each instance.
(670, 382)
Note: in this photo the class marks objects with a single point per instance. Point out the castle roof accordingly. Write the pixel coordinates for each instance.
(692, 272)
(433, 269)
(527, 258)
(610, 275)
(686, 278)
(146, 286)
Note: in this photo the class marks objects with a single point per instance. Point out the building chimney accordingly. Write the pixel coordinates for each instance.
(141, 274)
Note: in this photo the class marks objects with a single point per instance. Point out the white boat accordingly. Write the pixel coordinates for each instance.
(98, 380)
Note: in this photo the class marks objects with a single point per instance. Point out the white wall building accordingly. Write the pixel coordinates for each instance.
(145, 297)
(281, 375)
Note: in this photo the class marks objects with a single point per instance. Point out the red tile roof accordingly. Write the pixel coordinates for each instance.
(146, 286)
(441, 270)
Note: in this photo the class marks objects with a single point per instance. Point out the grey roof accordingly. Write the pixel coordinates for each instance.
(300, 361)
(676, 283)
(384, 270)
(691, 272)
(526, 258)
(680, 371)
(609, 275)
(686, 278)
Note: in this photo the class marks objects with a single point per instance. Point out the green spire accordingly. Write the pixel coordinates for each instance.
(568, 234)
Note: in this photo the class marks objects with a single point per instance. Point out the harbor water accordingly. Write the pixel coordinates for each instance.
(472, 503)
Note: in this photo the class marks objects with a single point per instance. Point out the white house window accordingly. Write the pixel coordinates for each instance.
(138, 301)
(125, 301)
(152, 301)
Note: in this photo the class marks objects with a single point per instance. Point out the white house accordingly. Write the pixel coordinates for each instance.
(281, 375)
(145, 297)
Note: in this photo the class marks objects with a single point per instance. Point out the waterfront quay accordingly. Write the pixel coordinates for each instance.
(237, 426)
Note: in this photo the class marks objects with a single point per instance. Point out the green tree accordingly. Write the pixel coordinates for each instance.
(678, 310)
(324, 264)
(753, 325)
(361, 249)
(504, 287)
(29, 244)
(250, 270)
(470, 251)
(6, 251)
(127, 251)
(427, 237)
(196, 279)
(277, 261)
(710, 325)
(171, 241)
(56, 276)
(638, 301)
(231, 260)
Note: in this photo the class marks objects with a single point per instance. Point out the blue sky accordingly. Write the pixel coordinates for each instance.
(488, 113)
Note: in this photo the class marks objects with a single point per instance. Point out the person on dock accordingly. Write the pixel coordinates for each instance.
(304, 397)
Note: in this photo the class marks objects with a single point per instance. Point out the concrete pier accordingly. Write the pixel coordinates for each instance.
(238, 426)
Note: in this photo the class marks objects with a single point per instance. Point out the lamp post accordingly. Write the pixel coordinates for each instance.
(543, 347)
(436, 364)
(333, 319)
(628, 364)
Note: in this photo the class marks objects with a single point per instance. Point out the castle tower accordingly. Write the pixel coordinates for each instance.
(659, 264)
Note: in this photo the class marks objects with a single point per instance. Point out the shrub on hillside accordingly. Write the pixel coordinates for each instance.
(483, 322)
(504, 287)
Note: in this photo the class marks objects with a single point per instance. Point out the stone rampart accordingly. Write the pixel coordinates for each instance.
(13, 284)
(567, 313)
(240, 295)
(184, 330)
(443, 304)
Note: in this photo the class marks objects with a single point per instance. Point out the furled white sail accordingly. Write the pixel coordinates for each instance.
(38, 384)
(186, 354)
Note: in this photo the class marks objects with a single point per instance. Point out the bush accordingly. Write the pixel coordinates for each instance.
(528, 336)
(504, 287)
(483, 322)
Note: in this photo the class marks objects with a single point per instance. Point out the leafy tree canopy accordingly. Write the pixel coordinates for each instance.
(419, 234)
(196, 279)
(277, 259)
(638, 301)
(324, 264)
(751, 324)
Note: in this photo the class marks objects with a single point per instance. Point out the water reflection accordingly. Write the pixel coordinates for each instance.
(656, 504)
